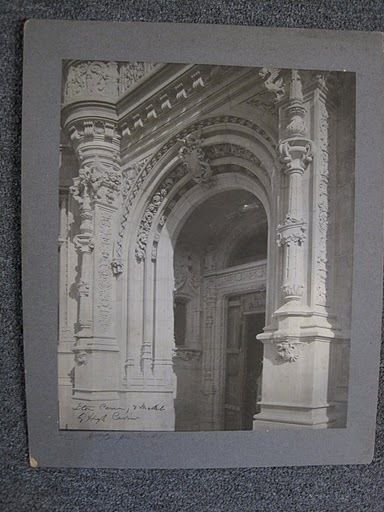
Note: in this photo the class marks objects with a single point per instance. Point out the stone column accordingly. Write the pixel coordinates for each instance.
(90, 122)
(295, 153)
(296, 367)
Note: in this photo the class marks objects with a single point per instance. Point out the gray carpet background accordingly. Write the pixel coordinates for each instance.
(308, 489)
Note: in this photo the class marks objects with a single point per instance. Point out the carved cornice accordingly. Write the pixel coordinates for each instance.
(188, 81)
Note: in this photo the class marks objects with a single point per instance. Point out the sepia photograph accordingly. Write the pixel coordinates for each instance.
(205, 247)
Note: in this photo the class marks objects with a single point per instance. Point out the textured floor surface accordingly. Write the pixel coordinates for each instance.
(312, 489)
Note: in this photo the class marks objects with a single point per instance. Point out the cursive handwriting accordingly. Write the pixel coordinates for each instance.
(105, 412)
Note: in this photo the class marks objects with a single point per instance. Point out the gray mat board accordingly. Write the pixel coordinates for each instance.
(308, 489)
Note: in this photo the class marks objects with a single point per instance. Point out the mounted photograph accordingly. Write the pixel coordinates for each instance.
(205, 247)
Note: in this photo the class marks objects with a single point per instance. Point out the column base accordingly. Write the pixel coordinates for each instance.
(276, 416)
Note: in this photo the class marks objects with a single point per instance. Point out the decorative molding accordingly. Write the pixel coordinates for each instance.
(157, 199)
(84, 134)
(169, 97)
(322, 267)
(199, 169)
(231, 277)
(235, 150)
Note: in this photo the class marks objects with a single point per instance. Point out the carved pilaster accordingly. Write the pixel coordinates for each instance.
(322, 128)
(90, 123)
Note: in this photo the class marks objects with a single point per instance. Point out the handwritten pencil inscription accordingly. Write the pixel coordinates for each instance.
(105, 413)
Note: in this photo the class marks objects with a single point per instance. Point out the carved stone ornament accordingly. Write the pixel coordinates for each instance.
(96, 181)
(185, 275)
(137, 184)
(132, 72)
(156, 201)
(91, 78)
(186, 354)
(288, 351)
(295, 154)
(117, 266)
(292, 291)
(195, 160)
(81, 357)
(291, 232)
(273, 81)
(83, 288)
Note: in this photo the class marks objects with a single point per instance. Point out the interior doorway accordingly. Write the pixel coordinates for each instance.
(220, 252)
(244, 360)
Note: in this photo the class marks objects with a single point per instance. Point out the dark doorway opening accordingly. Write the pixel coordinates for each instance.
(244, 360)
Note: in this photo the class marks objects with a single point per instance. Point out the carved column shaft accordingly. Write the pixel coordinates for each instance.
(295, 153)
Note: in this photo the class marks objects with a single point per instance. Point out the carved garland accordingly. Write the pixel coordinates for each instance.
(146, 169)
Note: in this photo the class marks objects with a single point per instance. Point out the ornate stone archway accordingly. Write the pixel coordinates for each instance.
(138, 173)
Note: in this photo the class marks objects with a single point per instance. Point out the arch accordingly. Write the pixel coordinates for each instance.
(164, 265)
(243, 160)
(257, 149)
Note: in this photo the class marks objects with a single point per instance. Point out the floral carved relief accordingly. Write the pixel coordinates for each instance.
(132, 72)
(323, 205)
(103, 282)
(288, 351)
(91, 78)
